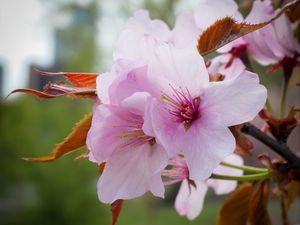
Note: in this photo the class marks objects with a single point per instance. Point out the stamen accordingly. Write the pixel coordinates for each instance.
(182, 106)
(133, 134)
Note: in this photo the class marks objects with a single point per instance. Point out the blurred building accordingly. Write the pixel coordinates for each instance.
(1, 80)
(75, 44)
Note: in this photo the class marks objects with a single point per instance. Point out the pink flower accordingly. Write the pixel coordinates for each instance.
(133, 159)
(209, 11)
(192, 115)
(271, 44)
(190, 197)
(140, 36)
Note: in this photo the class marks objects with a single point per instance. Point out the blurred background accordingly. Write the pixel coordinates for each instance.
(75, 36)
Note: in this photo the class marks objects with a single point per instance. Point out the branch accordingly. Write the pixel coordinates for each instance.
(281, 149)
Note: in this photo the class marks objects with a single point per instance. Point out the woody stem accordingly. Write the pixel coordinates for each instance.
(280, 148)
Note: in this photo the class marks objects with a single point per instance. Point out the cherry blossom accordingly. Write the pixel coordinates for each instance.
(140, 36)
(192, 115)
(191, 195)
(133, 159)
(273, 43)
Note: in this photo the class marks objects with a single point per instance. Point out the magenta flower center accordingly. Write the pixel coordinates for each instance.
(182, 106)
(132, 131)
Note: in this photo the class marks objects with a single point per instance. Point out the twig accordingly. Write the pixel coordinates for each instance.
(281, 149)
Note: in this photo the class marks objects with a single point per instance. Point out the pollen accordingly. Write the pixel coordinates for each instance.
(132, 132)
(182, 106)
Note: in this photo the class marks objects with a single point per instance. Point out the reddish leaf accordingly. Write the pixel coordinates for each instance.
(227, 29)
(116, 208)
(258, 213)
(293, 193)
(243, 145)
(235, 209)
(78, 79)
(75, 140)
(222, 32)
(78, 93)
(280, 128)
(101, 167)
(293, 12)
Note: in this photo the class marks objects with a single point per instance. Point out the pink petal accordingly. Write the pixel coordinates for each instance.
(209, 11)
(185, 24)
(101, 138)
(234, 101)
(136, 101)
(129, 173)
(103, 83)
(225, 186)
(189, 201)
(236, 43)
(178, 68)
(140, 36)
(284, 34)
(219, 65)
(168, 132)
(131, 79)
(148, 126)
(264, 45)
(205, 148)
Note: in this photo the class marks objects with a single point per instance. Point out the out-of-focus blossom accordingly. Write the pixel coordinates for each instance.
(190, 198)
(205, 13)
(192, 115)
(185, 24)
(194, 22)
(273, 43)
(140, 36)
(228, 65)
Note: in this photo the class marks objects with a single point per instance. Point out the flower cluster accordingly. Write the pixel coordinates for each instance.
(158, 102)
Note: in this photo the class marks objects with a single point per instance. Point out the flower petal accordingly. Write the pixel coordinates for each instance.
(102, 139)
(179, 68)
(133, 78)
(219, 65)
(103, 83)
(140, 36)
(234, 101)
(130, 173)
(205, 148)
(209, 11)
(225, 186)
(136, 101)
(185, 24)
(189, 201)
